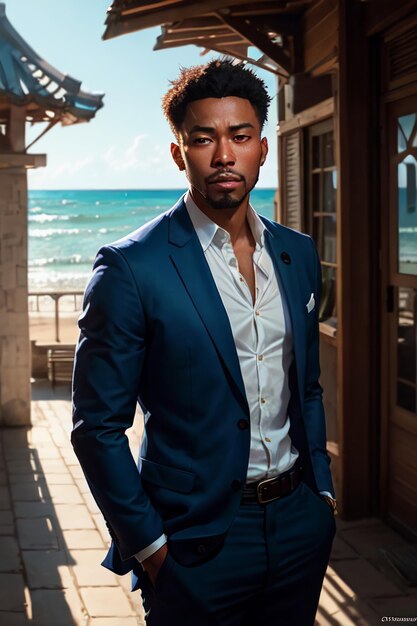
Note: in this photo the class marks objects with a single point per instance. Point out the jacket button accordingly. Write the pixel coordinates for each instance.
(236, 485)
(243, 424)
(201, 548)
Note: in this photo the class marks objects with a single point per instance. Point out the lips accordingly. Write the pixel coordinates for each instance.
(225, 179)
(227, 184)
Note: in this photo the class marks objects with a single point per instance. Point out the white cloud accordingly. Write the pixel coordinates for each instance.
(60, 172)
(130, 158)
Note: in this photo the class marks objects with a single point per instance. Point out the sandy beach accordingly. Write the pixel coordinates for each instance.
(42, 319)
(42, 328)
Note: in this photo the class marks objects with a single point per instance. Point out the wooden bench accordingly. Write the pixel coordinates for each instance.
(60, 363)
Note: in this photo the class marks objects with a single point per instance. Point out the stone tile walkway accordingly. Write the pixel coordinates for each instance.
(52, 539)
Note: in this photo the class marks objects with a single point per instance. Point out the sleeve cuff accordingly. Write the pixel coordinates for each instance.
(323, 493)
(149, 550)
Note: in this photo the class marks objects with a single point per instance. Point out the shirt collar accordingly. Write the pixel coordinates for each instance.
(207, 230)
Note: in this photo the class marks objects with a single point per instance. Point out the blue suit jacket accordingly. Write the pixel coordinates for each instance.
(154, 329)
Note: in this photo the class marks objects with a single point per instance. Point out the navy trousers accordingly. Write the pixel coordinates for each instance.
(269, 571)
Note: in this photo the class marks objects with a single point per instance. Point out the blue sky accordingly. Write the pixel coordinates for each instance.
(127, 144)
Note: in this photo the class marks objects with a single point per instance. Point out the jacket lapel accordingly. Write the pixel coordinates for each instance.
(192, 267)
(289, 284)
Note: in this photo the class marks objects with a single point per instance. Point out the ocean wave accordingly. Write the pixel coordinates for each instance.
(36, 233)
(52, 232)
(36, 209)
(408, 230)
(46, 217)
(143, 214)
(74, 259)
(58, 281)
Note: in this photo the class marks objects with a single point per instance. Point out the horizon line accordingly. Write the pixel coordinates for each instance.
(130, 189)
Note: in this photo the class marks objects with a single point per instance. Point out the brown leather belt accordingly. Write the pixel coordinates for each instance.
(271, 489)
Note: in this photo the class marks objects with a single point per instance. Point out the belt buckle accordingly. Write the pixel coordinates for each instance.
(259, 486)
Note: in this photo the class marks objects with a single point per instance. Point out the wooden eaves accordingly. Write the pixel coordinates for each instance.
(229, 27)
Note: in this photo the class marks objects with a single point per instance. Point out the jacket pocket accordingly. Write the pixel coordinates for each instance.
(167, 477)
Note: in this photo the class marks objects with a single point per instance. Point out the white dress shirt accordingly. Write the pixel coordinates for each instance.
(263, 339)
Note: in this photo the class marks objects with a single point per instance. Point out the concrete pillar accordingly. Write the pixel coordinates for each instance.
(14, 319)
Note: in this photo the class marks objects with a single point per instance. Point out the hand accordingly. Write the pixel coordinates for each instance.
(153, 563)
(331, 502)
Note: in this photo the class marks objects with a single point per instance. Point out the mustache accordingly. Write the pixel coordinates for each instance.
(224, 176)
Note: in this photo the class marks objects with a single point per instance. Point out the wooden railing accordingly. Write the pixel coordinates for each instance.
(56, 297)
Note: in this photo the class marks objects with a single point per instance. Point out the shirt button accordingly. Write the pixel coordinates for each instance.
(267, 439)
(236, 485)
(241, 279)
(243, 424)
(263, 400)
(201, 548)
(260, 357)
(257, 312)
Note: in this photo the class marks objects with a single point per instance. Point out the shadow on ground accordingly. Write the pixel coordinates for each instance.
(52, 538)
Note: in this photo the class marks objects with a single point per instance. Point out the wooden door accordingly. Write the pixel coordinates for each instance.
(401, 427)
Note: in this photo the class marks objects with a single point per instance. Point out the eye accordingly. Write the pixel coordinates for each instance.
(201, 141)
(241, 138)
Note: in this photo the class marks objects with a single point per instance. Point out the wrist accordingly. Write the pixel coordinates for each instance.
(331, 502)
(156, 559)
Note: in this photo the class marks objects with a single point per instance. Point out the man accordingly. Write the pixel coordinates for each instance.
(208, 317)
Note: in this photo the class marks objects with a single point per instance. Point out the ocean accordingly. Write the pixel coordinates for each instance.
(67, 227)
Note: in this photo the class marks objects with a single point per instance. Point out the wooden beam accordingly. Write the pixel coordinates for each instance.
(147, 5)
(240, 51)
(205, 22)
(258, 8)
(260, 40)
(163, 42)
(288, 25)
(314, 114)
(234, 52)
(265, 8)
(381, 14)
(358, 268)
(169, 34)
(120, 22)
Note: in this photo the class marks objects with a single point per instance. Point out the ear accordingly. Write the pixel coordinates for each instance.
(264, 149)
(177, 156)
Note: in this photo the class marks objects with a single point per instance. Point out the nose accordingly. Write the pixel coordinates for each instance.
(224, 154)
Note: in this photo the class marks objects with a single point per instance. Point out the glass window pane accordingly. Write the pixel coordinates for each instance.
(324, 234)
(405, 127)
(316, 157)
(401, 140)
(327, 312)
(316, 198)
(328, 149)
(407, 216)
(406, 122)
(329, 192)
(406, 349)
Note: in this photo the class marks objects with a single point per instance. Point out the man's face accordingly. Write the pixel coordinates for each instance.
(221, 150)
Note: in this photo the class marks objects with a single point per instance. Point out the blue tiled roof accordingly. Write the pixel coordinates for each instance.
(25, 78)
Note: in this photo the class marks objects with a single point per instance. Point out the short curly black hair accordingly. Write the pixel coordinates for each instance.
(217, 79)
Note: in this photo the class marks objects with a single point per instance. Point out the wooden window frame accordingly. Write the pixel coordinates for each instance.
(314, 130)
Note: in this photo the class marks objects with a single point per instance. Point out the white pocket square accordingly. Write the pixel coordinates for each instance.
(311, 303)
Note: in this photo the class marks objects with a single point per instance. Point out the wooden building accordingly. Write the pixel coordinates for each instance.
(347, 136)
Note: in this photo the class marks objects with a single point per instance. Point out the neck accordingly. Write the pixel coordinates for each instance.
(234, 221)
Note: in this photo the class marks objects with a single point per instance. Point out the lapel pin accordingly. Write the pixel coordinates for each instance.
(286, 257)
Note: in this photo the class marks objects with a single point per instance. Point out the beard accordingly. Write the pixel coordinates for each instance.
(225, 201)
